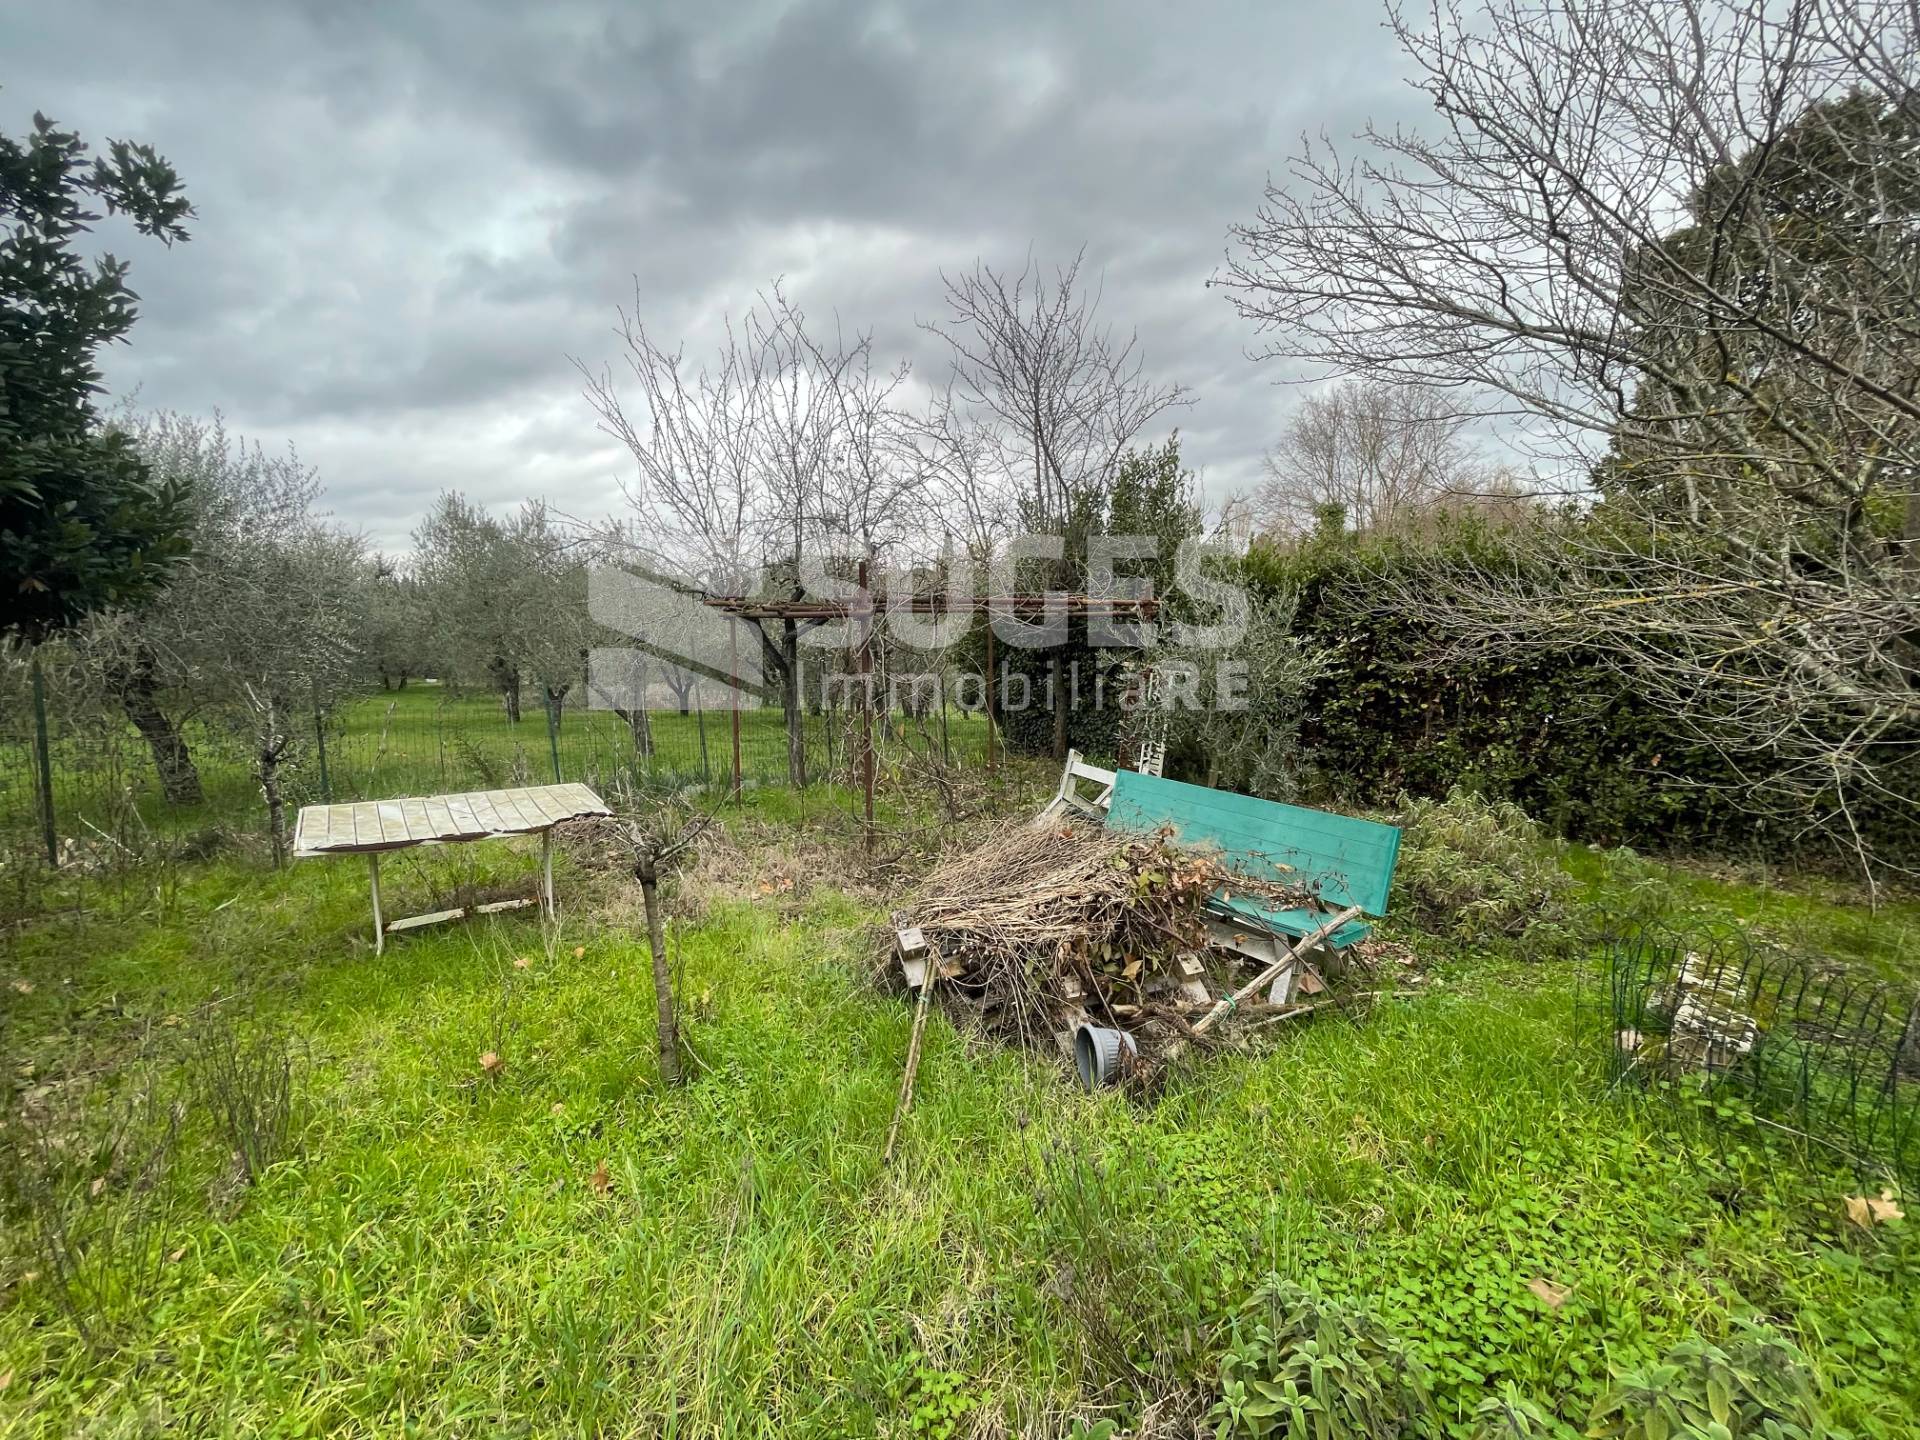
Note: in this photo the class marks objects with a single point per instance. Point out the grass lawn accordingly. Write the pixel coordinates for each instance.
(566, 1247)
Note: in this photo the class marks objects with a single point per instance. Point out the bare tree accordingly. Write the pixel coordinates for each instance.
(1375, 451)
(1677, 240)
(1055, 398)
(1045, 404)
(762, 468)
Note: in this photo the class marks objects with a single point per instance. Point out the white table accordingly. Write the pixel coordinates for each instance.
(370, 827)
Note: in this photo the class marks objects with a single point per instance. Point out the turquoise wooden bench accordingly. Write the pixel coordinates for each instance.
(1343, 861)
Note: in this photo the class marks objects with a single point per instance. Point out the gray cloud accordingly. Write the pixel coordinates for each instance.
(411, 216)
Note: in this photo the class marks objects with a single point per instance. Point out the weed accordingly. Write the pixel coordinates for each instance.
(98, 1202)
(1758, 1385)
(931, 1401)
(1475, 869)
(1304, 1367)
(250, 1081)
(1132, 1290)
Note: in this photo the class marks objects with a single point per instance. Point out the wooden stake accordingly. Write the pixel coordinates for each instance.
(913, 1053)
(864, 614)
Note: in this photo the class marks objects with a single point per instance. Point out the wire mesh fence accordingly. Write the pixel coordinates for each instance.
(1818, 1052)
(104, 778)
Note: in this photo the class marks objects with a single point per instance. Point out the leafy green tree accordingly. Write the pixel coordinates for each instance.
(83, 525)
(1151, 497)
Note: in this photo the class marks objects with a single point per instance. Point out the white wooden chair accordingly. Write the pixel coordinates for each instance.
(1070, 796)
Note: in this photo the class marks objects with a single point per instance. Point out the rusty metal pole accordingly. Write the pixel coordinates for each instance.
(987, 694)
(864, 614)
(733, 645)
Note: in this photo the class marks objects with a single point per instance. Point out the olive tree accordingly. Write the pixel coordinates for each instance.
(255, 630)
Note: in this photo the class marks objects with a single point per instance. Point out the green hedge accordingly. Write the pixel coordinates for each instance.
(1557, 734)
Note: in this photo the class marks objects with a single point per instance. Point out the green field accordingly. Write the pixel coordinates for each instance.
(422, 740)
(567, 1248)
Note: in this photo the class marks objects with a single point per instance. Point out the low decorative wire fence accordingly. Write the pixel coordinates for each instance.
(1816, 1051)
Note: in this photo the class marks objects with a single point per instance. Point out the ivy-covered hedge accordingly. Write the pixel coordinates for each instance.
(1558, 734)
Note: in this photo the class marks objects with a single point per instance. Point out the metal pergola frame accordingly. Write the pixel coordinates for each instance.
(862, 609)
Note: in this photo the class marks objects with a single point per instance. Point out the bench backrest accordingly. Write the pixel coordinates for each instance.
(1346, 861)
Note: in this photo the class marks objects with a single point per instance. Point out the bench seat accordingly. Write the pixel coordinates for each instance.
(1341, 860)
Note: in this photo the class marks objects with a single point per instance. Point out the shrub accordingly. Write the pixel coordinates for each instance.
(1760, 1385)
(1303, 1367)
(1478, 869)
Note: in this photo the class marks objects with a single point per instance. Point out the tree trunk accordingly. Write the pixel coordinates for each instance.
(642, 727)
(507, 678)
(272, 746)
(669, 1032)
(140, 697)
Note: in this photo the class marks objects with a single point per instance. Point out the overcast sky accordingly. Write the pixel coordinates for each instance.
(412, 215)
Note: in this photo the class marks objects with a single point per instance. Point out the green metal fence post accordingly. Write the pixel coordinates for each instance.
(553, 736)
(320, 743)
(44, 758)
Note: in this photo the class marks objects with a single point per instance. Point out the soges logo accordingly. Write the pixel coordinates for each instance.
(689, 645)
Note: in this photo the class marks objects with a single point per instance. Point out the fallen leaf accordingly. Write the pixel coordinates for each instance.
(25, 987)
(521, 962)
(99, 1184)
(578, 951)
(1132, 969)
(492, 1063)
(1551, 1295)
(764, 888)
(174, 1258)
(6, 1379)
(600, 1179)
(1867, 1211)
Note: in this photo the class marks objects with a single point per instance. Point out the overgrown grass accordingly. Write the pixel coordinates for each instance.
(1814, 913)
(565, 1247)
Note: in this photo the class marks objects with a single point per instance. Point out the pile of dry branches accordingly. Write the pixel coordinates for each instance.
(1038, 924)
